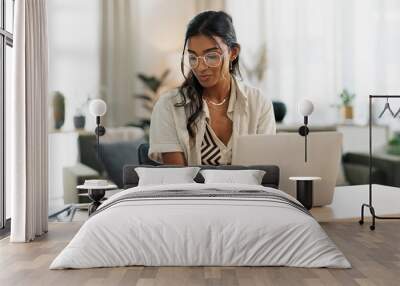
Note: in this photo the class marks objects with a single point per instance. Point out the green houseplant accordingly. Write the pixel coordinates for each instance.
(394, 145)
(152, 84)
(347, 104)
(150, 95)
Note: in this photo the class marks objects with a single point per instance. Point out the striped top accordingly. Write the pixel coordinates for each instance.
(213, 150)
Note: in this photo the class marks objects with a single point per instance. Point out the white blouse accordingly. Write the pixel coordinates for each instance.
(249, 111)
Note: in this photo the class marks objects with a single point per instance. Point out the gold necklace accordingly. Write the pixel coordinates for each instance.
(217, 103)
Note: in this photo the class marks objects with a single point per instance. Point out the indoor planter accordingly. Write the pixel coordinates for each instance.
(79, 118)
(346, 107)
(79, 121)
(393, 147)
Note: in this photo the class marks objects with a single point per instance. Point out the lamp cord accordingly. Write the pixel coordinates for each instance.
(98, 142)
(305, 153)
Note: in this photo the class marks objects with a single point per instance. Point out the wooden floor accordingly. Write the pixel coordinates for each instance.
(375, 257)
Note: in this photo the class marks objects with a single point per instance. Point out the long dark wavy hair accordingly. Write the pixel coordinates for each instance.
(210, 24)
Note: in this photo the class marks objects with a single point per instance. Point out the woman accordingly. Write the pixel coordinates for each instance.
(197, 124)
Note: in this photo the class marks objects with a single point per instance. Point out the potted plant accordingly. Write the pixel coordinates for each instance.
(79, 117)
(394, 144)
(150, 96)
(347, 104)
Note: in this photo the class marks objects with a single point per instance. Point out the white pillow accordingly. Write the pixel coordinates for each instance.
(163, 176)
(248, 177)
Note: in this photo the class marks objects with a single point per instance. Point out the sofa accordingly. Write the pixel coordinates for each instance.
(119, 146)
(385, 168)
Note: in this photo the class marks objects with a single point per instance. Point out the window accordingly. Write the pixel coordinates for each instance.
(6, 44)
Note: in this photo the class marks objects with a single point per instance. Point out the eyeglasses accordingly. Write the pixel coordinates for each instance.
(212, 60)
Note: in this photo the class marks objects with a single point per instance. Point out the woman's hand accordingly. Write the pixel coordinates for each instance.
(173, 158)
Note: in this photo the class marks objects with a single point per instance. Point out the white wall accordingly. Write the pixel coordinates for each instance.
(74, 53)
(162, 26)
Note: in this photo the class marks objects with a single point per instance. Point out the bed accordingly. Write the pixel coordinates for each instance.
(197, 224)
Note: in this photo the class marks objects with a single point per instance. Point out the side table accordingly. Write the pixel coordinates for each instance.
(96, 194)
(304, 190)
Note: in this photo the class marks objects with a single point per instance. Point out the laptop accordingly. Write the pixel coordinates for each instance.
(286, 150)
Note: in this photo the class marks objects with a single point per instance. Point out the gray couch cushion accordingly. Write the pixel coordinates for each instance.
(115, 156)
(87, 152)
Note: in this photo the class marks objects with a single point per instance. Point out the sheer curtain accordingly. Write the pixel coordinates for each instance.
(27, 123)
(203, 5)
(119, 33)
(317, 48)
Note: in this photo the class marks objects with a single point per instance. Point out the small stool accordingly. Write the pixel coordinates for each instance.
(304, 190)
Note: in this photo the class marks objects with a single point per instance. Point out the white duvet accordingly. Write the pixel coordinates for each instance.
(200, 231)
